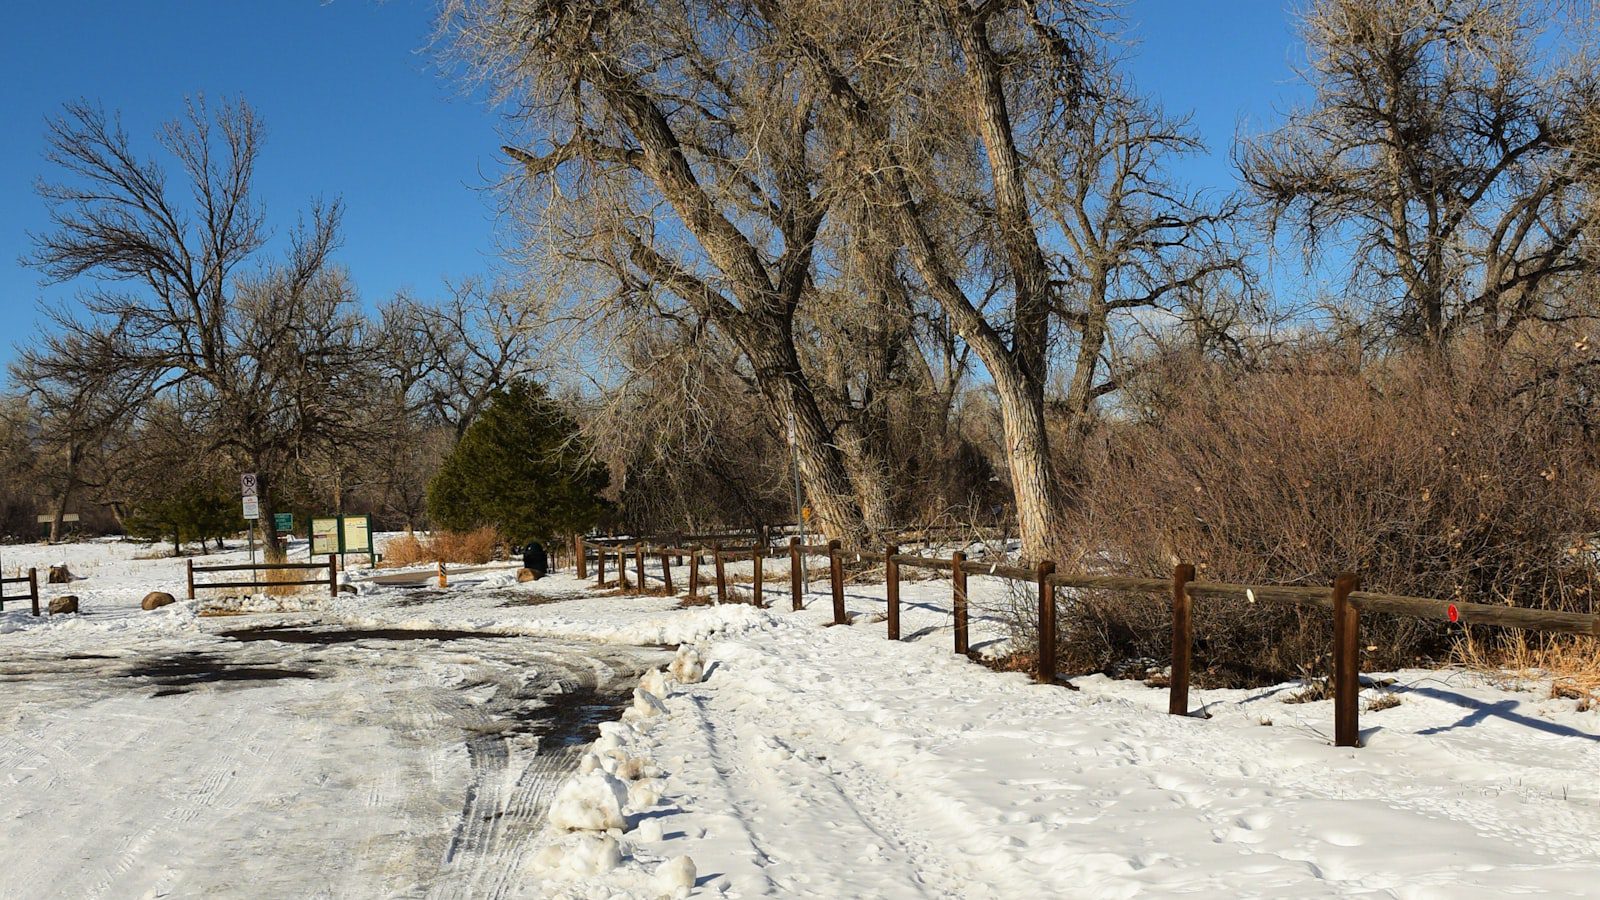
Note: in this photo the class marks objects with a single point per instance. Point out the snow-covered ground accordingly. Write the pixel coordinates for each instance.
(801, 761)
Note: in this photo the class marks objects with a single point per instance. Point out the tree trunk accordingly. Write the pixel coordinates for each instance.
(272, 547)
(59, 516)
(822, 471)
(1032, 478)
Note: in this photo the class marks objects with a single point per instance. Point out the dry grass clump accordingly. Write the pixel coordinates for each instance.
(1570, 662)
(474, 547)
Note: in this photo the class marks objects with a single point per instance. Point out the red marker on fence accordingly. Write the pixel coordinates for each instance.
(1453, 613)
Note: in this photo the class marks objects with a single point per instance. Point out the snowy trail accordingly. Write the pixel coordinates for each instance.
(410, 742)
(814, 763)
(359, 768)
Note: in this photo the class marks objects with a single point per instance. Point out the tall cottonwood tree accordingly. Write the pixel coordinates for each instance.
(726, 138)
(1452, 148)
(668, 148)
(997, 145)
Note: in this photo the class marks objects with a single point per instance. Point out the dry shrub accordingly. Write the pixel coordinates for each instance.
(1471, 485)
(474, 547)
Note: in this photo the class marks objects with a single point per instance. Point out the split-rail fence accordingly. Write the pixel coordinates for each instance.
(1343, 600)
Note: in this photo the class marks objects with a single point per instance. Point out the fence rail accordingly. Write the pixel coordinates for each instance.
(31, 580)
(332, 580)
(1343, 600)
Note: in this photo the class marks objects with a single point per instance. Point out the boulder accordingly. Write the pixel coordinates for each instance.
(58, 575)
(157, 599)
(526, 575)
(63, 605)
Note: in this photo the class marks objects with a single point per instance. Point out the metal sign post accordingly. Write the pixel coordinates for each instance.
(252, 513)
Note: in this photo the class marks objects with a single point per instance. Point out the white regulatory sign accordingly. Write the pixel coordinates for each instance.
(252, 508)
(247, 484)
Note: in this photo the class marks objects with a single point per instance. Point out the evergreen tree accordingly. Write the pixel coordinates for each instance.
(189, 513)
(520, 467)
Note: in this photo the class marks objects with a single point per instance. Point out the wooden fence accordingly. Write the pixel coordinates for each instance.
(1343, 600)
(31, 580)
(332, 580)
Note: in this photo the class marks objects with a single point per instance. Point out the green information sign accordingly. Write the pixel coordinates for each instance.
(343, 535)
(284, 522)
(324, 536)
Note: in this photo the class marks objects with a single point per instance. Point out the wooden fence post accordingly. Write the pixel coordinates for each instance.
(795, 571)
(1346, 663)
(958, 602)
(622, 568)
(333, 574)
(891, 579)
(759, 558)
(191, 577)
(1047, 624)
(694, 572)
(722, 581)
(580, 555)
(33, 587)
(666, 572)
(836, 573)
(638, 559)
(1182, 640)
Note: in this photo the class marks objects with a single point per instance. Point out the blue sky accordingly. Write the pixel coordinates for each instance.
(356, 107)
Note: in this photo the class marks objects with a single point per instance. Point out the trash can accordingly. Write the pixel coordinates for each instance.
(534, 559)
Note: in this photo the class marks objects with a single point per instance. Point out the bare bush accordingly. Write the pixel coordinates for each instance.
(1475, 487)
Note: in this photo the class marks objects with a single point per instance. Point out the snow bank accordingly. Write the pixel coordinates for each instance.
(590, 802)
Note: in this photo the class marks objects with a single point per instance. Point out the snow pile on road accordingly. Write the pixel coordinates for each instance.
(616, 789)
(591, 801)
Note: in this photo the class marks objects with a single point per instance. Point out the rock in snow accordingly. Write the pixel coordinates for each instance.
(590, 802)
(157, 599)
(63, 605)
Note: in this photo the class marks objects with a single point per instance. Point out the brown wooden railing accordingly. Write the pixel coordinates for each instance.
(332, 579)
(1342, 599)
(31, 580)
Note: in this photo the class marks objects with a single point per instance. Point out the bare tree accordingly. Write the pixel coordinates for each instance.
(263, 359)
(662, 154)
(1136, 245)
(1453, 149)
(450, 357)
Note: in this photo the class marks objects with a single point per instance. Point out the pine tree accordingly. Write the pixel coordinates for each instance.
(520, 467)
(189, 512)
